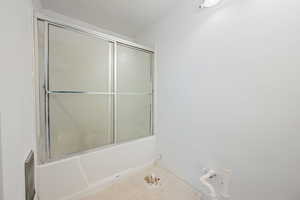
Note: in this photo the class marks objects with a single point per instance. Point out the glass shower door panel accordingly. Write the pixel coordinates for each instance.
(80, 105)
(133, 70)
(78, 61)
(79, 122)
(134, 88)
(133, 117)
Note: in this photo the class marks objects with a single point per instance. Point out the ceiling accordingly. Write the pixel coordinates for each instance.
(126, 17)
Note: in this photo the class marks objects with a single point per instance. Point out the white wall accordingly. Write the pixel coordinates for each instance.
(16, 97)
(229, 94)
(1, 174)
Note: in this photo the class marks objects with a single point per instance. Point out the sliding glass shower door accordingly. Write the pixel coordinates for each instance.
(80, 102)
(94, 92)
(134, 93)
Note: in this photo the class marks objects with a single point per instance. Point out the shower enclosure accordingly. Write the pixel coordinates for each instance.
(94, 91)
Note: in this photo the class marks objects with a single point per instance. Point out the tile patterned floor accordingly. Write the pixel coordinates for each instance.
(134, 188)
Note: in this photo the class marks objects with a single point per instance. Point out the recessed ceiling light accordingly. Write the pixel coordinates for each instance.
(208, 3)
